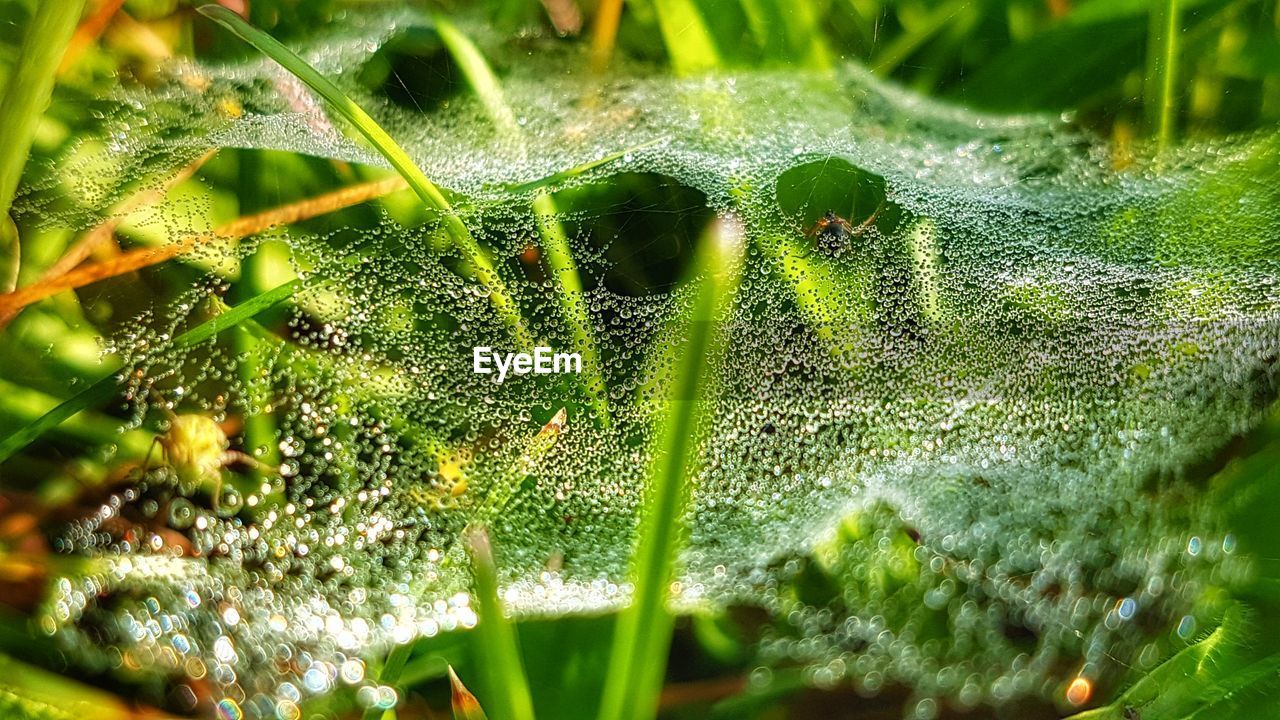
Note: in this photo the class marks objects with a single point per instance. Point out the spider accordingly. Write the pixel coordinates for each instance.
(833, 234)
(197, 449)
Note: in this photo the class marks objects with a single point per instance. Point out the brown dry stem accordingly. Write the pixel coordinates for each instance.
(137, 259)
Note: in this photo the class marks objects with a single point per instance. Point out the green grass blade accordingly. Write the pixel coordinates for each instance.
(502, 301)
(836, 306)
(389, 675)
(788, 32)
(260, 431)
(688, 40)
(101, 390)
(902, 47)
(504, 671)
(577, 170)
(479, 76)
(555, 243)
(1159, 99)
(23, 405)
(643, 635)
(28, 692)
(30, 87)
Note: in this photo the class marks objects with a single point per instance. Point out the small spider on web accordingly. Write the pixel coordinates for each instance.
(832, 234)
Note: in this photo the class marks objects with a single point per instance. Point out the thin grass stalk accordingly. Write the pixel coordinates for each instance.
(604, 33)
(102, 390)
(508, 483)
(642, 637)
(30, 87)
(389, 675)
(555, 242)
(1159, 97)
(502, 665)
(820, 293)
(471, 252)
(559, 177)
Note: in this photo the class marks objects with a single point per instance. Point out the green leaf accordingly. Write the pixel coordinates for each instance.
(689, 41)
(1219, 677)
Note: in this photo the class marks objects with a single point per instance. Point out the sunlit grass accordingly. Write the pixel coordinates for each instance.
(643, 633)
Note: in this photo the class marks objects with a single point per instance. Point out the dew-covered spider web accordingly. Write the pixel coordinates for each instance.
(949, 451)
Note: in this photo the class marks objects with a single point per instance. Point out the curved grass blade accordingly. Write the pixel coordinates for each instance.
(101, 390)
(501, 298)
(643, 634)
(555, 243)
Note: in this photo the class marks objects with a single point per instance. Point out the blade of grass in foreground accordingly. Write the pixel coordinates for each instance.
(389, 149)
(30, 692)
(643, 636)
(101, 390)
(506, 679)
(554, 241)
(1162, 70)
(30, 87)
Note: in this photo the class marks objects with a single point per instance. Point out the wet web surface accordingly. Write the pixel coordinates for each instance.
(972, 420)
